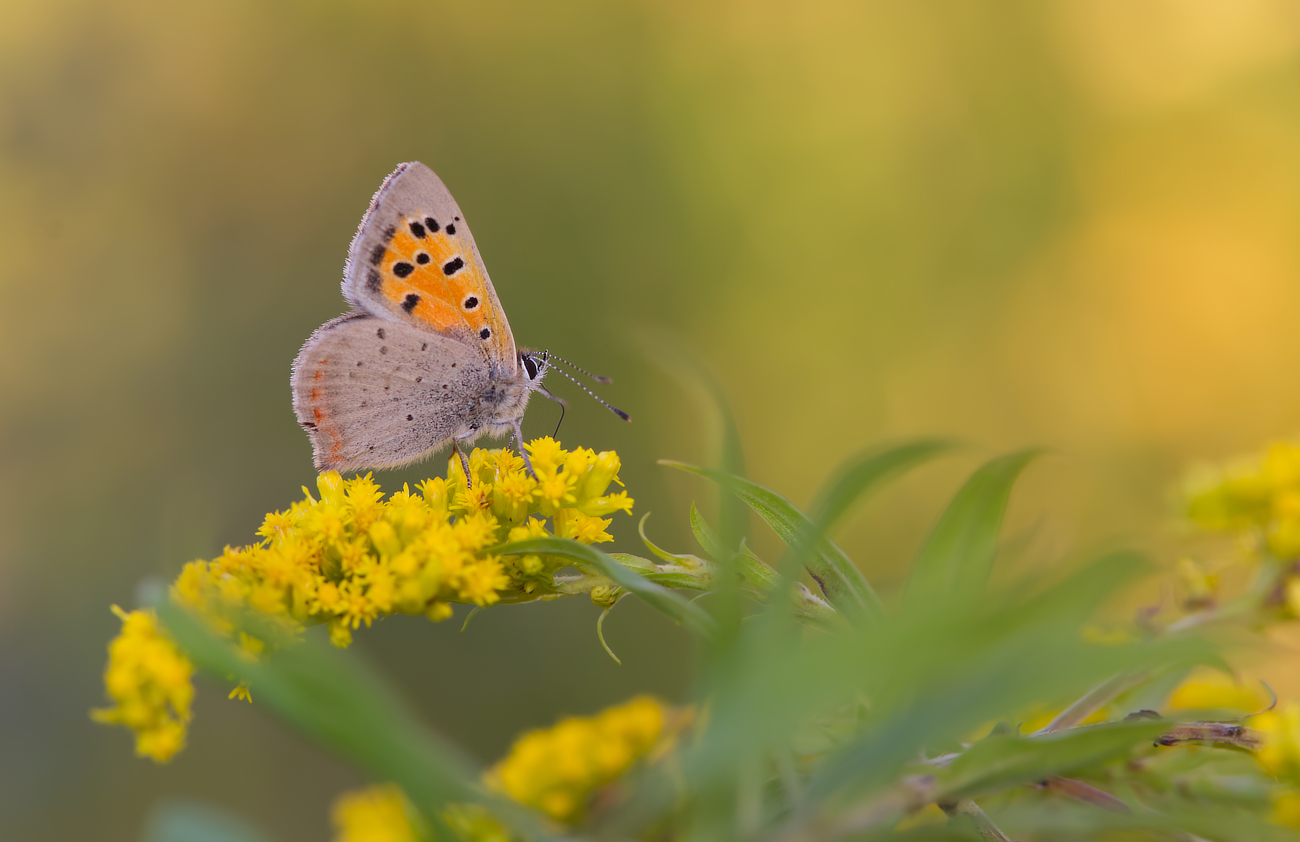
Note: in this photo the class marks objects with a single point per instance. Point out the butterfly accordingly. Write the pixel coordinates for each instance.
(426, 355)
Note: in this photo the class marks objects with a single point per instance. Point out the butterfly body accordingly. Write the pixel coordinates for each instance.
(426, 356)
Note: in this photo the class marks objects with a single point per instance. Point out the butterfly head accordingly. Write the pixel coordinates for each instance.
(534, 365)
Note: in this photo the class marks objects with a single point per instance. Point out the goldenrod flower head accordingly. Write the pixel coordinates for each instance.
(378, 813)
(351, 557)
(555, 770)
(148, 679)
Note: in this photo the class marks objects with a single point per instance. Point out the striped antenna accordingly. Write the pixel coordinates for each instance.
(620, 413)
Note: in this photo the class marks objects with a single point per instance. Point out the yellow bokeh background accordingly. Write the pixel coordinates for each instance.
(1073, 225)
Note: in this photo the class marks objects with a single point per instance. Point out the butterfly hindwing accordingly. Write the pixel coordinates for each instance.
(376, 393)
(413, 257)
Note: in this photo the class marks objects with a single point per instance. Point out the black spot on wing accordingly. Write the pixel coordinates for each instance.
(417, 229)
(431, 224)
(453, 266)
(380, 333)
(389, 233)
(377, 254)
(373, 279)
(401, 269)
(451, 229)
(408, 303)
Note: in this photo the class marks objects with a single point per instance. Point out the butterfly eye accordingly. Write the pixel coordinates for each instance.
(530, 366)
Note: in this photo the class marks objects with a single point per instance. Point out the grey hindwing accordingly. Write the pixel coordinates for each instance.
(377, 393)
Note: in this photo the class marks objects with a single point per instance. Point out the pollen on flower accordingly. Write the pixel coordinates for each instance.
(481, 581)
(556, 770)
(571, 523)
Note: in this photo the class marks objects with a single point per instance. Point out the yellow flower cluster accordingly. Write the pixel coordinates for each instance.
(1255, 494)
(556, 769)
(378, 813)
(382, 813)
(148, 679)
(553, 769)
(352, 556)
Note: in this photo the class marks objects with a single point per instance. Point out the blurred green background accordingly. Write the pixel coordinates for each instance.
(1072, 224)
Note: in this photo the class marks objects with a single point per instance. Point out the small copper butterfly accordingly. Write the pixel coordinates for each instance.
(426, 355)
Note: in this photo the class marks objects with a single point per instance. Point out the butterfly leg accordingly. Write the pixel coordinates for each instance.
(464, 463)
(519, 442)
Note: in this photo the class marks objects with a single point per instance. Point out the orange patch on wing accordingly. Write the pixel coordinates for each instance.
(441, 296)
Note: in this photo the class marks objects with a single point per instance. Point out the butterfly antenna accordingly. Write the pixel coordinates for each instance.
(578, 368)
(620, 413)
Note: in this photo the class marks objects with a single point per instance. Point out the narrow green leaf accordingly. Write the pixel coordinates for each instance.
(842, 583)
(707, 538)
(867, 472)
(1000, 762)
(667, 601)
(958, 556)
(652, 546)
(333, 698)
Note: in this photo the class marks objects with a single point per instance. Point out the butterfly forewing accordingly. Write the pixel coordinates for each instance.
(414, 258)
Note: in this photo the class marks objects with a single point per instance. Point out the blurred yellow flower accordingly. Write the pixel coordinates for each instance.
(1207, 689)
(148, 680)
(378, 813)
(557, 769)
(1286, 809)
(1259, 493)
(1280, 730)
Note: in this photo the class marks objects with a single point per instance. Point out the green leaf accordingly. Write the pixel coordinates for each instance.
(707, 538)
(936, 674)
(193, 821)
(867, 472)
(669, 602)
(958, 556)
(842, 583)
(1000, 762)
(333, 698)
